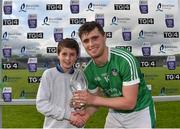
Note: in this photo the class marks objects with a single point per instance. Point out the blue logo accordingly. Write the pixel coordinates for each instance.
(5, 36)
(23, 8)
(100, 21)
(114, 21)
(32, 64)
(32, 20)
(74, 6)
(171, 65)
(73, 34)
(162, 49)
(7, 52)
(32, 67)
(58, 34)
(90, 7)
(46, 20)
(143, 6)
(23, 50)
(171, 62)
(146, 51)
(141, 34)
(7, 7)
(99, 18)
(169, 20)
(159, 7)
(126, 34)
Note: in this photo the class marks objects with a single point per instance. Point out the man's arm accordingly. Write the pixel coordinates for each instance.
(126, 102)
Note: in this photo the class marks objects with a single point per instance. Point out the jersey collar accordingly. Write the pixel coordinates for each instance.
(59, 68)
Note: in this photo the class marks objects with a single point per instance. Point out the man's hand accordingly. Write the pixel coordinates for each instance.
(79, 119)
(83, 97)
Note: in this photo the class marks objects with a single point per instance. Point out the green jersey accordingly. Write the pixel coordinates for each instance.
(122, 69)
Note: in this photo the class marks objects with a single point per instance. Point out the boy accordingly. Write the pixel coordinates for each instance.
(54, 94)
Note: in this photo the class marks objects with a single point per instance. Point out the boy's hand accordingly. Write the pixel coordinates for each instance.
(77, 120)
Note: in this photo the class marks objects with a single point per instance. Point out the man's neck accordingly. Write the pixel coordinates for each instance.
(103, 59)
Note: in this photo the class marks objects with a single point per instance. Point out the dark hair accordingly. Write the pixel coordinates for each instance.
(89, 26)
(68, 43)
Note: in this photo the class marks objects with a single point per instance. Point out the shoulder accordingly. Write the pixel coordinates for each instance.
(121, 53)
(50, 71)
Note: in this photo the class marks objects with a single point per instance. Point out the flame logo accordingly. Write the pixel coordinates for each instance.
(23, 8)
(114, 20)
(46, 19)
(90, 6)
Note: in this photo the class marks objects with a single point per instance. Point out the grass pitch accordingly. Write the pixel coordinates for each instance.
(168, 113)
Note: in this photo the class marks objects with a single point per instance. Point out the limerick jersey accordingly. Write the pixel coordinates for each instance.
(122, 69)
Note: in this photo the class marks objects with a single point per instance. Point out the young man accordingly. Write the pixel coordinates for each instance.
(54, 94)
(117, 73)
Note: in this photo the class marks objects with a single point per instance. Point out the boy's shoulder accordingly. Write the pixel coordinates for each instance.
(50, 70)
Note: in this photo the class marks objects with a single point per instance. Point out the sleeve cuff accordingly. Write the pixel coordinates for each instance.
(67, 114)
(131, 82)
(93, 90)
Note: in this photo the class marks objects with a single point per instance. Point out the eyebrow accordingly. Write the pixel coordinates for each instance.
(95, 36)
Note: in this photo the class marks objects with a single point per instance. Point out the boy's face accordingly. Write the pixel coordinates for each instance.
(67, 58)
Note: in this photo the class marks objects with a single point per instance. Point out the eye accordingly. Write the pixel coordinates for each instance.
(64, 54)
(85, 41)
(73, 54)
(94, 38)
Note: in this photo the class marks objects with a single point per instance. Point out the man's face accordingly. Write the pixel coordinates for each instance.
(94, 43)
(67, 58)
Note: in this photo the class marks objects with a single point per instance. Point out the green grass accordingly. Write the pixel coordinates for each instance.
(21, 117)
(168, 113)
(156, 77)
(18, 80)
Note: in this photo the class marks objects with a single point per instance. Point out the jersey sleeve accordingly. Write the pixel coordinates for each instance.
(129, 71)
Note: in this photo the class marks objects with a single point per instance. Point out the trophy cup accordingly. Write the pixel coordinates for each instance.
(78, 83)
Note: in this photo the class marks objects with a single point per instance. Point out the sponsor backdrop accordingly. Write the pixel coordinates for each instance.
(31, 30)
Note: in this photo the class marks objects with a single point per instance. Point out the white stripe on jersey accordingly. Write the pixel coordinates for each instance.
(130, 60)
(135, 67)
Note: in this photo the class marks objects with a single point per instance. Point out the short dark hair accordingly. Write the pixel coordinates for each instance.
(89, 26)
(68, 43)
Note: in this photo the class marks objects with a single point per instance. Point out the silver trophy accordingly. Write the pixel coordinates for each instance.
(78, 83)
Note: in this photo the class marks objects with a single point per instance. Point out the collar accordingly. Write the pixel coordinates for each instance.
(59, 68)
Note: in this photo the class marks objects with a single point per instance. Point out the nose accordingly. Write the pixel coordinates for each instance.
(91, 43)
(67, 57)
